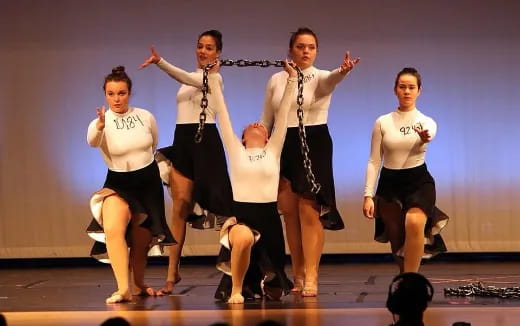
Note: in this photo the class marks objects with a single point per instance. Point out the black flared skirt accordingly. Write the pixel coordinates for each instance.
(320, 154)
(408, 188)
(143, 191)
(205, 164)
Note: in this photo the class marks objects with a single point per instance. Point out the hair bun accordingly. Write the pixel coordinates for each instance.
(118, 70)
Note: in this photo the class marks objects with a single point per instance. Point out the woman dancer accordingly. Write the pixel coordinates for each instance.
(405, 205)
(191, 179)
(306, 213)
(253, 239)
(129, 209)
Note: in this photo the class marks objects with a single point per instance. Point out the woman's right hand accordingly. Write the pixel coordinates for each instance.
(100, 124)
(368, 207)
(154, 58)
(289, 67)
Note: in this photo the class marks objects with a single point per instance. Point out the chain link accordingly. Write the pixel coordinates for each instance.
(304, 148)
(478, 289)
(252, 63)
(203, 103)
(225, 62)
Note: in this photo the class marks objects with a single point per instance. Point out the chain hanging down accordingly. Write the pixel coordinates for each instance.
(307, 164)
(203, 102)
(226, 62)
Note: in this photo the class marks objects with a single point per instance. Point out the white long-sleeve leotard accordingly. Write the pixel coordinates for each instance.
(317, 92)
(128, 141)
(396, 144)
(254, 172)
(189, 94)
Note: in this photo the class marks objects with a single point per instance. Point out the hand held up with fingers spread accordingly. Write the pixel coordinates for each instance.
(100, 124)
(154, 58)
(347, 65)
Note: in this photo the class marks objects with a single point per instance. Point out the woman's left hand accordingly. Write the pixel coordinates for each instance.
(348, 64)
(423, 133)
(216, 66)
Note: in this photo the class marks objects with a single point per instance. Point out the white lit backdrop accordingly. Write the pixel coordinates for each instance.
(54, 55)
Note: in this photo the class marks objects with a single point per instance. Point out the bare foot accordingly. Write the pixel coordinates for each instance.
(168, 288)
(236, 298)
(310, 289)
(298, 284)
(145, 291)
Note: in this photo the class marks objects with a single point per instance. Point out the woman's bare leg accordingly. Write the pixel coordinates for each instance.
(116, 215)
(312, 232)
(181, 192)
(392, 216)
(414, 242)
(141, 239)
(288, 205)
(241, 239)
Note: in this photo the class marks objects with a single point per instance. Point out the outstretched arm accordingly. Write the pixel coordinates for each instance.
(328, 83)
(426, 130)
(280, 122)
(180, 75)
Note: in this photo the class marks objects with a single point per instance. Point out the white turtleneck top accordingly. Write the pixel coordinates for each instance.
(318, 86)
(128, 141)
(189, 94)
(397, 144)
(254, 172)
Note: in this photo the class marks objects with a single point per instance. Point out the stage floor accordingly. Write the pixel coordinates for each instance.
(349, 294)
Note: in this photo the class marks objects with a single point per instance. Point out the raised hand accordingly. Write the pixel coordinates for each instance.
(154, 58)
(100, 124)
(347, 64)
(290, 68)
(216, 66)
(423, 133)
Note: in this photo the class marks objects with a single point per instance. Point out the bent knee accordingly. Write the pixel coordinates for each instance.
(241, 236)
(415, 219)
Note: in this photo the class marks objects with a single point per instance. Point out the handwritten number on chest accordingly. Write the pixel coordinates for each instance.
(257, 157)
(405, 130)
(129, 122)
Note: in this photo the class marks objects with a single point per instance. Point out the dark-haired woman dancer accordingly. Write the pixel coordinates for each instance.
(405, 205)
(197, 172)
(129, 209)
(306, 214)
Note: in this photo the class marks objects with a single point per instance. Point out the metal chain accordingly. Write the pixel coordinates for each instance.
(203, 102)
(478, 289)
(226, 62)
(252, 63)
(304, 148)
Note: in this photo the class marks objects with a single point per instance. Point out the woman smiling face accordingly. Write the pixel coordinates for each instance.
(207, 51)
